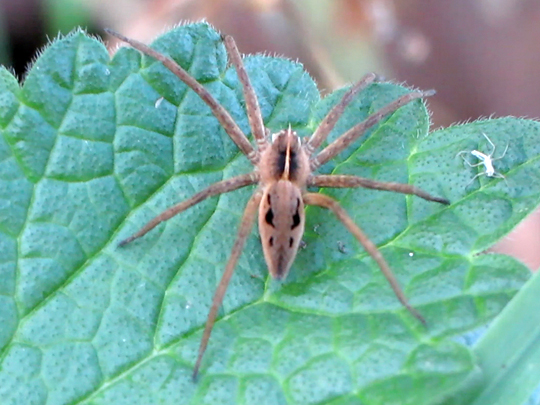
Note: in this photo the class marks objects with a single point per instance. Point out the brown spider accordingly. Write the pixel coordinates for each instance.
(283, 170)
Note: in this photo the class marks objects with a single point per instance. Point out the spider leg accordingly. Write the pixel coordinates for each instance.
(222, 115)
(461, 153)
(474, 178)
(504, 153)
(491, 143)
(359, 129)
(252, 103)
(324, 201)
(346, 181)
(243, 232)
(500, 176)
(217, 188)
(328, 122)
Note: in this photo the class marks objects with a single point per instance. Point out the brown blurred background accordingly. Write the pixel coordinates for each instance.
(482, 56)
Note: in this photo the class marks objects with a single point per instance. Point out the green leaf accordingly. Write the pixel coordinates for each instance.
(91, 149)
(510, 351)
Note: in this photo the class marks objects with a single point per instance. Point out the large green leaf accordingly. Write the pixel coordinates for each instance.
(510, 351)
(92, 148)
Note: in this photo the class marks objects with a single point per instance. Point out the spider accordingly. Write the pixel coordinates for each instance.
(485, 160)
(284, 167)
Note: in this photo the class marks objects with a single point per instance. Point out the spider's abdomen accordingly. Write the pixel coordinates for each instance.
(281, 225)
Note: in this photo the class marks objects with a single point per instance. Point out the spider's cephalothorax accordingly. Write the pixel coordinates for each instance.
(284, 159)
(283, 171)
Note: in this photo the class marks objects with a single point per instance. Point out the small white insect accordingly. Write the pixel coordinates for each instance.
(485, 160)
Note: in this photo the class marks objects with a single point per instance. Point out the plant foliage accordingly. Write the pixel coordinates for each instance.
(92, 148)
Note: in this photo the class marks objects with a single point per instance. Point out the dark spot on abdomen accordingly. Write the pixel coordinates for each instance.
(296, 216)
(269, 217)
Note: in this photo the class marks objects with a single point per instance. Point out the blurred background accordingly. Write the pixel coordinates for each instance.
(482, 56)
